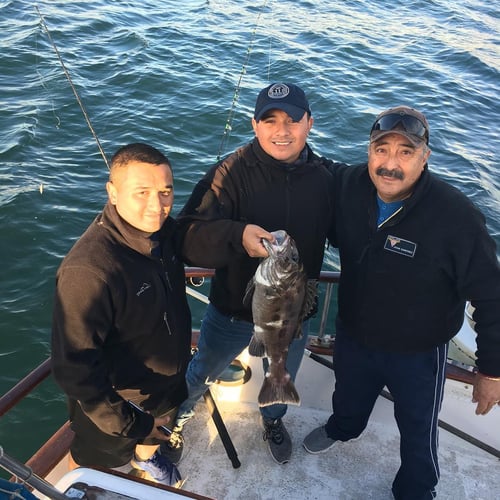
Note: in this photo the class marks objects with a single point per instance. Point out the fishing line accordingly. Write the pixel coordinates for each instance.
(56, 116)
(229, 121)
(82, 107)
(269, 60)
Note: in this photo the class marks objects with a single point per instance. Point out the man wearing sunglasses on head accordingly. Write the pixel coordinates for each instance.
(413, 250)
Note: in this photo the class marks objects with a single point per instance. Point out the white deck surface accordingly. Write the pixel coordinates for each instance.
(360, 469)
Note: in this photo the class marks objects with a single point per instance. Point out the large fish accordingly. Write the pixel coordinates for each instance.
(281, 296)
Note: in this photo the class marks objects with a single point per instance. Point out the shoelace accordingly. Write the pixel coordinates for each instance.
(155, 461)
(274, 431)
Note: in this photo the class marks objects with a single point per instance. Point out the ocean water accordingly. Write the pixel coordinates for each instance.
(177, 75)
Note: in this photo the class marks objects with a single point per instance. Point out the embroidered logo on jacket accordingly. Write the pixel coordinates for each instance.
(400, 246)
(144, 287)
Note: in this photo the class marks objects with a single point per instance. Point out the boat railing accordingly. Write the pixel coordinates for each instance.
(195, 278)
(53, 451)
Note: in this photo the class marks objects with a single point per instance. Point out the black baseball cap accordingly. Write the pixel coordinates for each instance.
(285, 96)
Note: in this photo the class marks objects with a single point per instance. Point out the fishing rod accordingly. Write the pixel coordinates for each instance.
(26, 475)
(229, 121)
(66, 72)
(221, 428)
(446, 426)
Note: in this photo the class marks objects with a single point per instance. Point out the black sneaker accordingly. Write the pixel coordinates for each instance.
(173, 448)
(318, 441)
(278, 440)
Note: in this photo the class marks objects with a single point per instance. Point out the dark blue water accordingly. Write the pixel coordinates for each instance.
(175, 74)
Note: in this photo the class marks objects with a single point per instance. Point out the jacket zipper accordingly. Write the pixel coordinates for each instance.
(168, 287)
(287, 225)
(166, 322)
(390, 218)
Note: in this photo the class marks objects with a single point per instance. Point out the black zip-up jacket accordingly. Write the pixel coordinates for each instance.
(121, 325)
(404, 285)
(250, 187)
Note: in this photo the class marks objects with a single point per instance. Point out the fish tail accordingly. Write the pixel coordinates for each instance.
(272, 393)
(256, 348)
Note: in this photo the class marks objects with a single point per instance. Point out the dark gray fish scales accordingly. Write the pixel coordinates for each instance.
(281, 296)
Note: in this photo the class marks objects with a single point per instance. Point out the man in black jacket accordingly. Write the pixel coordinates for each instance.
(412, 249)
(122, 326)
(275, 182)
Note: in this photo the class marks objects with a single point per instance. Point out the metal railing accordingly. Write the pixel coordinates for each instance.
(54, 450)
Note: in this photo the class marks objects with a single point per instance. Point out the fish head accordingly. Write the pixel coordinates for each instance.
(283, 248)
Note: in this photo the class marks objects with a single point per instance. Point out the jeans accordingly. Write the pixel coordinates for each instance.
(222, 338)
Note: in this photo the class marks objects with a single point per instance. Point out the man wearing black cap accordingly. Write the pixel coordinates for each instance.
(275, 182)
(413, 249)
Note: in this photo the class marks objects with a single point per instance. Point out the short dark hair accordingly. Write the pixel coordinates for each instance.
(137, 152)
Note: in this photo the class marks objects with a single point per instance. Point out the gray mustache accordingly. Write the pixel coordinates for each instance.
(397, 174)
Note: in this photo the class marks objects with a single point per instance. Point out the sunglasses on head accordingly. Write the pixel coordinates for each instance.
(408, 123)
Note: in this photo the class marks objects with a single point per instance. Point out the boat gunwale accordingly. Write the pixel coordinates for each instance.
(50, 454)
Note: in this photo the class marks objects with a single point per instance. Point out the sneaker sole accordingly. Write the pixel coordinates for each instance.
(142, 474)
(317, 452)
(277, 461)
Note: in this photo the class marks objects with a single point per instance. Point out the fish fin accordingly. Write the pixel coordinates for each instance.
(256, 347)
(272, 393)
(310, 303)
(247, 298)
(298, 332)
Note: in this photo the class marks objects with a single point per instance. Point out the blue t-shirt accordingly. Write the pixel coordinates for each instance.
(385, 210)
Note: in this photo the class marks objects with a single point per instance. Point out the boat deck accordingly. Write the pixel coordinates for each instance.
(360, 469)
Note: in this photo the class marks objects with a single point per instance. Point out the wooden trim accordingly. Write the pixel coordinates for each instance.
(454, 372)
(52, 451)
(24, 386)
(200, 272)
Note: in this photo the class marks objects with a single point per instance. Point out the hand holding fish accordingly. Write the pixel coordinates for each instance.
(252, 240)
(486, 393)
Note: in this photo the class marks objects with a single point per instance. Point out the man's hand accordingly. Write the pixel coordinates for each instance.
(252, 240)
(486, 393)
(157, 433)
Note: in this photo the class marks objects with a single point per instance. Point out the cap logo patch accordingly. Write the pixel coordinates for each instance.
(278, 91)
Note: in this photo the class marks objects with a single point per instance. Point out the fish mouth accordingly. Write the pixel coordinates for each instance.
(281, 242)
(281, 237)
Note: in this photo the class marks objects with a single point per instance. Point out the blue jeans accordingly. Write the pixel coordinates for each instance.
(222, 338)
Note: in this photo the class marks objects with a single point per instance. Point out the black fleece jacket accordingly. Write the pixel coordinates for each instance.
(250, 187)
(404, 285)
(121, 325)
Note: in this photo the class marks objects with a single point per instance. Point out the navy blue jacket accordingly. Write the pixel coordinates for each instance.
(403, 286)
